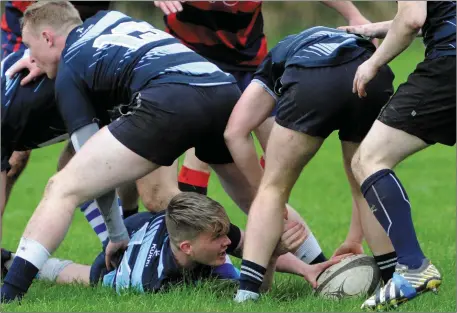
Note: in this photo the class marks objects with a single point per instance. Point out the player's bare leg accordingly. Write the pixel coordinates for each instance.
(157, 188)
(101, 165)
(375, 236)
(382, 149)
(94, 170)
(287, 153)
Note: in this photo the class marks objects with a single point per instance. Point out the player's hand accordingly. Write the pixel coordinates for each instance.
(348, 247)
(312, 271)
(362, 21)
(25, 63)
(169, 7)
(113, 253)
(292, 238)
(365, 73)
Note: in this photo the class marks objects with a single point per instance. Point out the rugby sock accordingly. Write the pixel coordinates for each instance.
(390, 204)
(310, 252)
(193, 181)
(251, 278)
(30, 257)
(95, 219)
(386, 263)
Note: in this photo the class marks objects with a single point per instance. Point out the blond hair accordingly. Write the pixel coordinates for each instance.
(190, 214)
(60, 15)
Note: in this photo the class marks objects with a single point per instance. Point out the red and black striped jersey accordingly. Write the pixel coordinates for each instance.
(228, 33)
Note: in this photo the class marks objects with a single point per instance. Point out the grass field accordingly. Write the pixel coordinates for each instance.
(321, 195)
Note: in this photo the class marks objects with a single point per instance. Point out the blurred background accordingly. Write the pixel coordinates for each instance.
(281, 17)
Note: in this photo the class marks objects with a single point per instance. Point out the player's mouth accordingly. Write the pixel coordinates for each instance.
(223, 254)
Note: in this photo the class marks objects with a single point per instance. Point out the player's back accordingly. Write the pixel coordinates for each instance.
(439, 29)
(320, 46)
(314, 47)
(113, 56)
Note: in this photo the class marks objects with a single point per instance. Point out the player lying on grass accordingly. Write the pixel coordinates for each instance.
(307, 75)
(188, 241)
(108, 61)
(421, 113)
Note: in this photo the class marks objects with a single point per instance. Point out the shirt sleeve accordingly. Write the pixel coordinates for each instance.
(72, 97)
(264, 75)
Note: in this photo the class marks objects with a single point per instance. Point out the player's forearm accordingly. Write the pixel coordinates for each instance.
(346, 8)
(107, 203)
(403, 29)
(245, 157)
(355, 233)
(290, 264)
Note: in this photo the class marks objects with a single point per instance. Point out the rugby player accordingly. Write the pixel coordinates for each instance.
(421, 113)
(306, 76)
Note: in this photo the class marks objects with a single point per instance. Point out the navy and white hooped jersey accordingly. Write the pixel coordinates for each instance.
(314, 47)
(111, 56)
(148, 264)
(439, 29)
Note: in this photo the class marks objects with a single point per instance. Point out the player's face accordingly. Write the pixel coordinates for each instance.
(210, 250)
(42, 50)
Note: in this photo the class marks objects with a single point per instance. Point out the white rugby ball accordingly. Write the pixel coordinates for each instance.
(354, 276)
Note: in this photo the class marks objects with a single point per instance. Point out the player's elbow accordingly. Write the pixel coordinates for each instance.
(414, 23)
(413, 15)
(233, 133)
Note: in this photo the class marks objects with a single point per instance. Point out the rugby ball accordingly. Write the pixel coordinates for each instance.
(354, 276)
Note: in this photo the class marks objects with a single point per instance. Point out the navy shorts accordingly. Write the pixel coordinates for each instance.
(319, 100)
(424, 106)
(165, 120)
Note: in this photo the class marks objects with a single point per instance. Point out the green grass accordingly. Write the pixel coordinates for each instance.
(321, 195)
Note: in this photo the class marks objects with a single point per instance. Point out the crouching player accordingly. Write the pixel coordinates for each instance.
(186, 242)
(306, 74)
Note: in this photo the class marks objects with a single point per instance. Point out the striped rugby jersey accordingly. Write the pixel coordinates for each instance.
(228, 33)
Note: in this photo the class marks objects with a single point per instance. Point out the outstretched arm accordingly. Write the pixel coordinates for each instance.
(254, 106)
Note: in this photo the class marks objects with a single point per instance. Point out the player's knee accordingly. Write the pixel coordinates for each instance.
(156, 201)
(362, 164)
(60, 187)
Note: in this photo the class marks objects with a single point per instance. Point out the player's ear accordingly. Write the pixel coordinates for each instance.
(186, 247)
(48, 37)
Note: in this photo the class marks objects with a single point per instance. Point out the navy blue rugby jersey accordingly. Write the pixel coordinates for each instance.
(112, 56)
(314, 47)
(439, 29)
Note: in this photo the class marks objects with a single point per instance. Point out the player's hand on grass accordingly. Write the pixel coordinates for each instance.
(365, 73)
(313, 271)
(169, 7)
(113, 253)
(25, 63)
(348, 247)
(292, 238)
